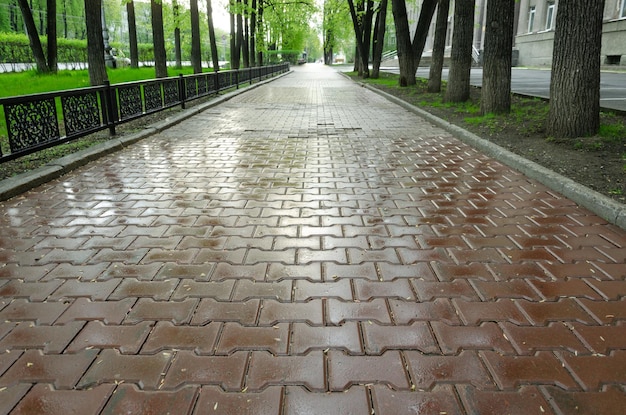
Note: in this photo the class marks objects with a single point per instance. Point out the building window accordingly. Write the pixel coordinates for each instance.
(531, 18)
(550, 16)
(622, 12)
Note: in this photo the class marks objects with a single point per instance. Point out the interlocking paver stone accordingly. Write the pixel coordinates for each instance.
(308, 247)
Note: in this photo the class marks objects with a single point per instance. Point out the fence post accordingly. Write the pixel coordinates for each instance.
(109, 107)
(182, 92)
(237, 78)
(216, 77)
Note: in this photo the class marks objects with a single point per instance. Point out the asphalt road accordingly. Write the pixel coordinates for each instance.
(536, 82)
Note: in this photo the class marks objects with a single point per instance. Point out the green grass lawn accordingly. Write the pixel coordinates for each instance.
(31, 82)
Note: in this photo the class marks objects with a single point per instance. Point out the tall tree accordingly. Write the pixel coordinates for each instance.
(239, 33)
(33, 36)
(253, 29)
(212, 40)
(51, 34)
(379, 38)
(439, 46)
(410, 51)
(95, 43)
(575, 80)
(496, 86)
(362, 22)
(196, 51)
(458, 89)
(132, 34)
(178, 55)
(158, 39)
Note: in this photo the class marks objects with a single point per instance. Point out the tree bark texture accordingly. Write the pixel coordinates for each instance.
(178, 54)
(95, 43)
(214, 53)
(359, 21)
(132, 35)
(196, 51)
(496, 86)
(458, 89)
(439, 46)
(33, 36)
(379, 38)
(52, 35)
(575, 80)
(253, 18)
(406, 62)
(421, 32)
(158, 39)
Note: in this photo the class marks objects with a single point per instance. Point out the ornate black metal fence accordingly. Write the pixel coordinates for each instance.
(36, 122)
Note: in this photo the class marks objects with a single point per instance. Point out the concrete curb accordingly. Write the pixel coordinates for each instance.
(21, 183)
(603, 206)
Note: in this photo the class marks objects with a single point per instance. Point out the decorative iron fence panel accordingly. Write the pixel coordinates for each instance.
(34, 122)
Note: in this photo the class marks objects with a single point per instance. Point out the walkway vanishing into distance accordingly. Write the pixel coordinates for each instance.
(308, 248)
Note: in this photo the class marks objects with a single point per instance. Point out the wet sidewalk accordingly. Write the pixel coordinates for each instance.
(308, 248)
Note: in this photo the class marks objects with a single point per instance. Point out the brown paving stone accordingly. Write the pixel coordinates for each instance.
(12, 395)
(346, 371)
(592, 372)
(333, 272)
(429, 370)
(234, 337)
(526, 400)
(610, 401)
(440, 400)
(306, 290)
(390, 272)
(250, 289)
(306, 338)
(450, 272)
(112, 367)
(609, 290)
(128, 399)
(127, 339)
(147, 272)
(26, 273)
(311, 312)
(338, 311)
(430, 290)
(189, 288)
(494, 290)
(279, 272)
(92, 289)
(555, 336)
(454, 339)
(32, 291)
(266, 370)
(82, 272)
(605, 312)
(44, 398)
(165, 335)
(416, 336)
(41, 313)
(573, 287)
(209, 310)
(474, 313)
(189, 369)
(511, 372)
(405, 312)
(367, 290)
(178, 312)
(214, 399)
(50, 339)
(352, 401)
(601, 339)
(224, 271)
(566, 309)
(110, 312)
(63, 371)
(157, 290)
(184, 271)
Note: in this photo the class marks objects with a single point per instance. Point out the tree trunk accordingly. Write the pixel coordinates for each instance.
(214, 54)
(253, 18)
(461, 56)
(132, 34)
(259, 26)
(234, 64)
(178, 55)
(575, 80)
(406, 62)
(158, 39)
(33, 37)
(359, 21)
(439, 46)
(421, 32)
(52, 35)
(239, 38)
(379, 38)
(196, 50)
(245, 44)
(496, 86)
(95, 43)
